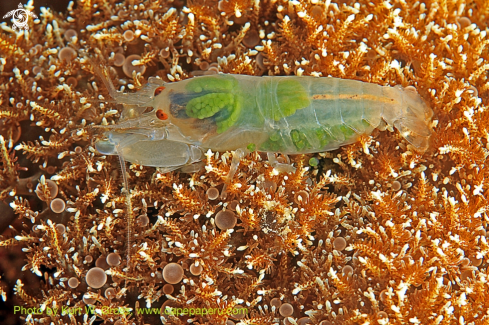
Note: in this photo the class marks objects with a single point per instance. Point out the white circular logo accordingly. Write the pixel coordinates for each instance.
(20, 17)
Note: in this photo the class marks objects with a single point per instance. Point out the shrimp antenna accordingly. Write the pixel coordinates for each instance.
(122, 162)
(138, 99)
(104, 75)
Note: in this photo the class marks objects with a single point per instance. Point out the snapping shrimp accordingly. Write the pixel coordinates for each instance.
(277, 114)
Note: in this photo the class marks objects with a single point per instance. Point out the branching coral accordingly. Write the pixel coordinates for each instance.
(372, 233)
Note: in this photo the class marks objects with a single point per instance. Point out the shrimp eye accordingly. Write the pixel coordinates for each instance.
(161, 115)
(159, 90)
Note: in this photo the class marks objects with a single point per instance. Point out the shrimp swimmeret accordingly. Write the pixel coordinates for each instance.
(277, 114)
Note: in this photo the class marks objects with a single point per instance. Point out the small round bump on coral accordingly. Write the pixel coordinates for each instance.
(113, 259)
(212, 193)
(172, 273)
(382, 314)
(406, 234)
(88, 259)
(73, 282)
(168, 289)
(268, 185)
(232, 205)
(128, 36)
(142, 220)
(239, 312)
(347, 269)
(239, 18)
(286, 310)
(475, 261)
(464, 262)
(128, 68)
(70, 34)
(72, 81)
(87, 300)
(276, 302)
(52, 187)
(122, 13)
(317, 12)
(167, 307)
(212, 70)
(164, 53)
(185, 265)
(260, 61)
(396, 186)
(60, 228)
(67, 54)
(463, 22)
(96, 277)
(481, 232)
(119, 49)
(339, 244)
(251, 39)
(383, 295)
(286, 321)
(304, 321)
(57, 205)
(301, 197)
(196, 73)
(204, 65)
(466, 275)
(36, 70)
(222, 5)
(102, 262)
(474, 91)
(225, 219)
(119, 59)
(110, 293)
(411, 89)
(196, 270)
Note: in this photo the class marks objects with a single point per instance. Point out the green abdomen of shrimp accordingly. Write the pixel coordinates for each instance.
(223, 99)
(301, 114)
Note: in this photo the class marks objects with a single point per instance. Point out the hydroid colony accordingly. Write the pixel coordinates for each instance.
(373, 232)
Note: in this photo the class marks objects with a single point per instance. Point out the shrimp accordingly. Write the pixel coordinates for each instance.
(288, 115)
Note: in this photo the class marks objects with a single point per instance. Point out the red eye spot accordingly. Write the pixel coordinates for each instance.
(161, 115)
(159, 90)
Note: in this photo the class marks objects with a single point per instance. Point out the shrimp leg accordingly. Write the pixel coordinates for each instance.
(281, 167)
(241, 153)
(237, 156)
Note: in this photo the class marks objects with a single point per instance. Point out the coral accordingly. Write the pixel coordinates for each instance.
(371, 233)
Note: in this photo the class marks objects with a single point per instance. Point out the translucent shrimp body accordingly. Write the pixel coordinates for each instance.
(290, 115)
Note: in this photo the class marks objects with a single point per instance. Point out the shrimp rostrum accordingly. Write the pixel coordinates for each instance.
(273, 114)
